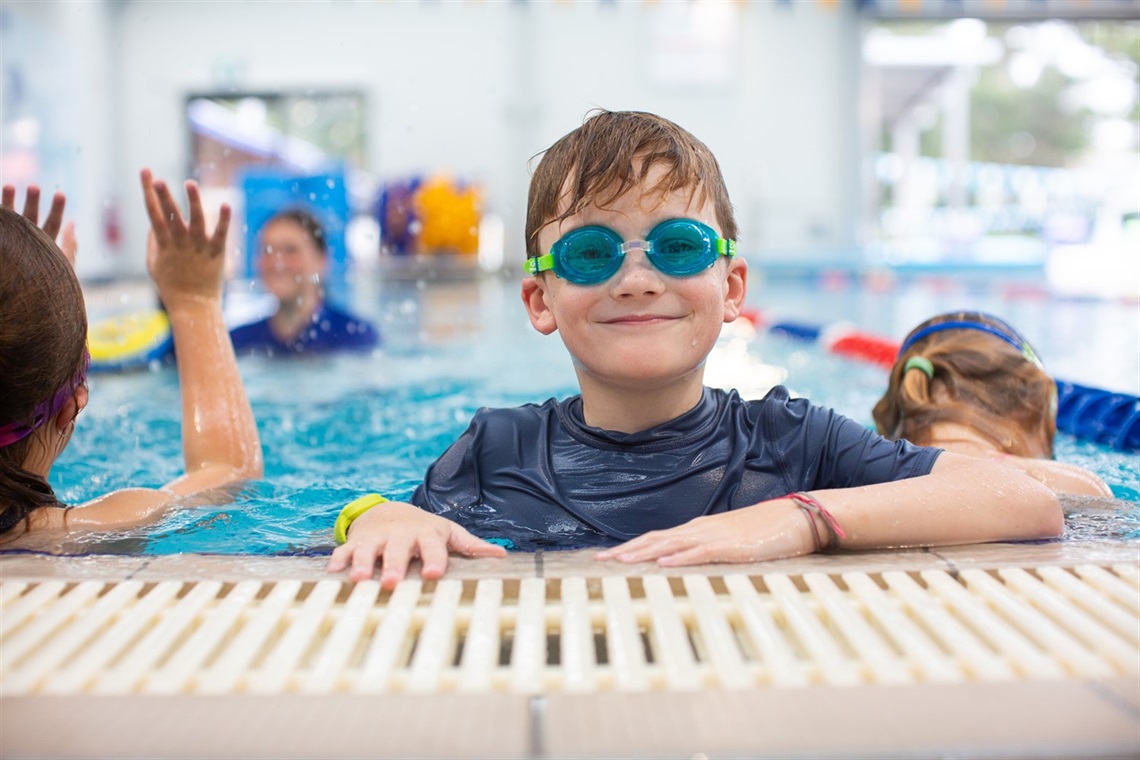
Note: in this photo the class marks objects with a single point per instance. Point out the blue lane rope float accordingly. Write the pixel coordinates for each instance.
(1093, 414)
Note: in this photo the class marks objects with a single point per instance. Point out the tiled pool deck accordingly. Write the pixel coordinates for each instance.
(714, 699)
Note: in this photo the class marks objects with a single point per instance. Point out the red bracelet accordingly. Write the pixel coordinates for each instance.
(811, 507)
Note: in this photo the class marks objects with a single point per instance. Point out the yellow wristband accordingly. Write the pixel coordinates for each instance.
(353, 510)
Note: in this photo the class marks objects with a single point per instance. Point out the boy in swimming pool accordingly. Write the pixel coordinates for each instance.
(632, 260)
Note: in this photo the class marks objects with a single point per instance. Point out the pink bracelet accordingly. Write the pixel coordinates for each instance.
(811, 507)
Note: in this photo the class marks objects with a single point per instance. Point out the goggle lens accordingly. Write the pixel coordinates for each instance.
(591, 255)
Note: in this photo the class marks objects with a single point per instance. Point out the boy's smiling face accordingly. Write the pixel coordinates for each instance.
(641, 329)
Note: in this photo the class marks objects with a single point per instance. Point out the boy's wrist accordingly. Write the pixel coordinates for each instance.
(353, 510)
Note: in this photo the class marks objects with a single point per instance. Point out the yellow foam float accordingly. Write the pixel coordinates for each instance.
(129, 340)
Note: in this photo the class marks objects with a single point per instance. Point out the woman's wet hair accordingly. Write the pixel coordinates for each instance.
(612, 152)
(43, 340)
(972, 378)
(307, 222)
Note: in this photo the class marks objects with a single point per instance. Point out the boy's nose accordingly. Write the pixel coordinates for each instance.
(636, 276)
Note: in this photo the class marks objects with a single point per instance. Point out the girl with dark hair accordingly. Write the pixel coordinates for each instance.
(292, 261)
(44, 359)
(969, 382)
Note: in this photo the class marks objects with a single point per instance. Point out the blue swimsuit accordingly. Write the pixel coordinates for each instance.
(540, 476)
(330, 330)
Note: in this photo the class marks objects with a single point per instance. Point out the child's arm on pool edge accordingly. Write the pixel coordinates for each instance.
(394, 533)
(963, 500)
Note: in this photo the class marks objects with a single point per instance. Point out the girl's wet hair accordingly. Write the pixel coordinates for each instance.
(612, 152)
(43, 341)
(306, 221)
(976, 379)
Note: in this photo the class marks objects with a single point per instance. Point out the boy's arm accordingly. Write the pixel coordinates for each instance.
(962, 500)
(396, 532)
(220, 443)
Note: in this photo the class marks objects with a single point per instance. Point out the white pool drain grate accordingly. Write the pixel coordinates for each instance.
(535, 636)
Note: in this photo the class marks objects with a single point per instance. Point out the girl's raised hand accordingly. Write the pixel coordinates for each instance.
(184, 259)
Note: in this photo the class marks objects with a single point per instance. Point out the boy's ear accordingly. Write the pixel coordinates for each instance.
(736, 286)
(537, 308)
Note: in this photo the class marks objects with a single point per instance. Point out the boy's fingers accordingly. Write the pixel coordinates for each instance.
(433, 557)
(8, 197)
(337, 561)
(468, 545)
(394, 566)
(363, 560)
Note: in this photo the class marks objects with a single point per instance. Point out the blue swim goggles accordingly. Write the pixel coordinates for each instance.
(591, 255)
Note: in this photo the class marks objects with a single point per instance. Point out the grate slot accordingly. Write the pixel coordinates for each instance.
(16, 613)
(1088, 635)
(1035, 626)
(1120, 591)
(625, 651)
(55, 652)
(165, 631)
(528, 655)
(436, 647)
(576, 640)
(721, 647)
(831, 665)
(979, 659)
(392, 640)
(340, 644)
(177, 674)
(882, 663)
(43, 622)
(1091, 600)
(1015, 647)
(669, 639)
(483, 646)
(263, 622)
(100, 655)
(894, 618)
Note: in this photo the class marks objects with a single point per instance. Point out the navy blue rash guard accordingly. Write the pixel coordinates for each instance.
(538, 475)
(331, 330)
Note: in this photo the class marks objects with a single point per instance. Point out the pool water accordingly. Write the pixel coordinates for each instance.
(333, 428)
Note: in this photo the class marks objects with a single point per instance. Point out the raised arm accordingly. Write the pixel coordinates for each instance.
(963, 500)
(219, 435)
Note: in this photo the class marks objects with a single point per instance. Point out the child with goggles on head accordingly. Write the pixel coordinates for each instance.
(969, 382)
(43, 365)
(631, 260)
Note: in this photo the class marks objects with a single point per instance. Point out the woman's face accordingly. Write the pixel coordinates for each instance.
(291, 263)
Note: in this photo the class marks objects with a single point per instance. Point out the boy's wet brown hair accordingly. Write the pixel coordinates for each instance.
(612, 152)
(980, 382)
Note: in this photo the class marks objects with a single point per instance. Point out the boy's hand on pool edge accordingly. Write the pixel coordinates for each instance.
(770, 530)
(396, 533)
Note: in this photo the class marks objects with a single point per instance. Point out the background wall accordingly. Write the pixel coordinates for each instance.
(473, 88)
